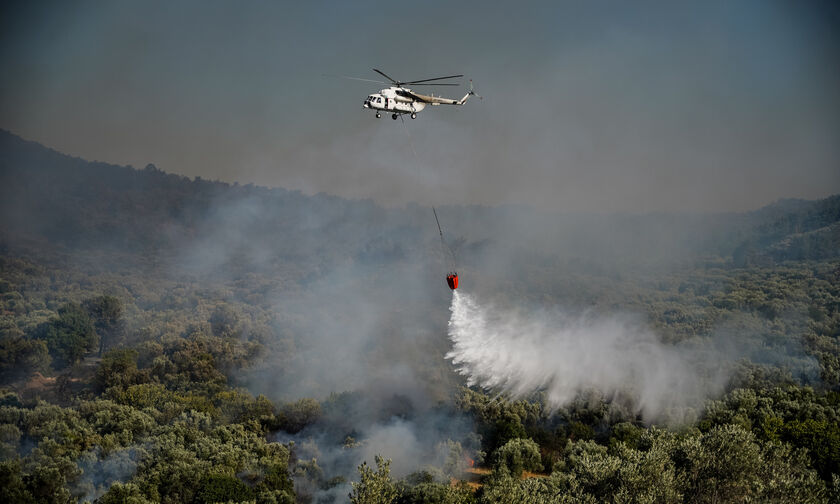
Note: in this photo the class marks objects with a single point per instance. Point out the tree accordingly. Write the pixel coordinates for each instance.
(106, 312)
(297, 415)
(822, 439)
(222, 488)
(71, 334)
(118, 368)
(120, 493)
(518, 455)
(374, 487)
(20, 356)
(454, 463)
(437, 493)
(507, 490)
(12, 486)
(224, 322)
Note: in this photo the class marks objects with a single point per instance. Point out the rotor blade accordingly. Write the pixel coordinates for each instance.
(427, 80)
(354, 78)
(389, 78)
(439, 84)
(472, 91)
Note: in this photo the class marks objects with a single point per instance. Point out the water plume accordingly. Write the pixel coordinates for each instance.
(564, 354)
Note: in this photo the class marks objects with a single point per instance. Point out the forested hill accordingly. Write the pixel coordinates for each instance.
(77, 204)
(166, 339)
(793, 230)
(150, 215)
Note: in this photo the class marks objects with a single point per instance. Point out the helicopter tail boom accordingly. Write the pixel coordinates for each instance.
(467, 96)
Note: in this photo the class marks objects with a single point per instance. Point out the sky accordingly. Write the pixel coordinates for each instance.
(601, 106)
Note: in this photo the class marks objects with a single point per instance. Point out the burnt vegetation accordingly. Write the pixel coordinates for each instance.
(162, 340)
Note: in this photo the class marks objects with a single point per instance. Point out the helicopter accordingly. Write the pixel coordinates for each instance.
(399, 100)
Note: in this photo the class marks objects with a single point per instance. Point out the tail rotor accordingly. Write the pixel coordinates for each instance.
(473, 93)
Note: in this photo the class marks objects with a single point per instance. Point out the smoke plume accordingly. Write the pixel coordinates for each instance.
(565, 354)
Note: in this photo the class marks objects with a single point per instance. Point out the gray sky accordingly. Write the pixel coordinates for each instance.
(589, 106)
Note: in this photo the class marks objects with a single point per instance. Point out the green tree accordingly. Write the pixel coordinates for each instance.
(579, 431)
(436, 493)
(516, 456)
(118, 368)
(726, 464)
(127, 493)
(297, 415)
(507, 490)
(12, 486)
(374, 487)
(106, 312)
(224, 322)
(454, 462)
(71, 334)
(822, 439)
(20, 356)
(222, 488)
(47, 484)
(648, 474)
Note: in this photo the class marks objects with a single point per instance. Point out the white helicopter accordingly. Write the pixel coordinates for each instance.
(399, 99)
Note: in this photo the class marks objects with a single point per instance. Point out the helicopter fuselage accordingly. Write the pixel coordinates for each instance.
(396, 100)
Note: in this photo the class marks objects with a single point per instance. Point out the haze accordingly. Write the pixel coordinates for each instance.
(590, 107)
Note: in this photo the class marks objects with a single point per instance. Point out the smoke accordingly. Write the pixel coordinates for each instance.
(99, 473)
(565, 354)
(425, 443)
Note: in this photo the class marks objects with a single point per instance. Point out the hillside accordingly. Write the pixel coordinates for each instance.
(165, 339)
(146, 213)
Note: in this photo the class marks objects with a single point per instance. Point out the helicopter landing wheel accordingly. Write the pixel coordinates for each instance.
(378, 115)
(394, 116)
(413, 115)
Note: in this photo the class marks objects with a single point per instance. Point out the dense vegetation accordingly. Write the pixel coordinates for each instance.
(173, 340)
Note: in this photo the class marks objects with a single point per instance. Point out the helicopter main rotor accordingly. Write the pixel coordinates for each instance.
(421, 82)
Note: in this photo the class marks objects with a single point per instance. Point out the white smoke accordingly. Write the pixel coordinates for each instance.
(565, 354)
